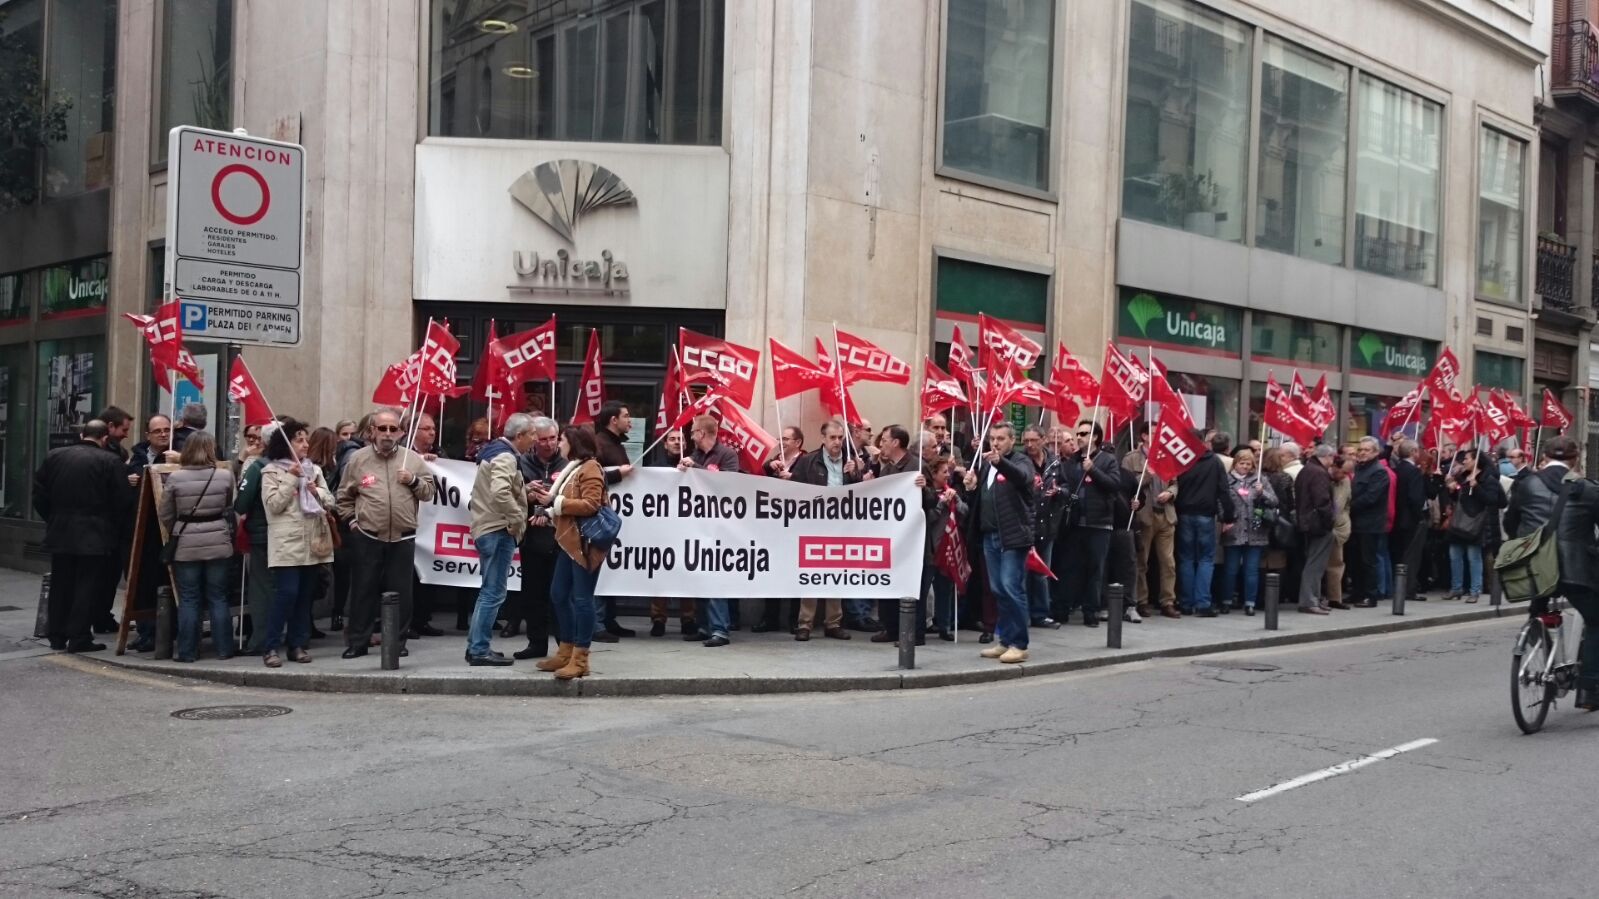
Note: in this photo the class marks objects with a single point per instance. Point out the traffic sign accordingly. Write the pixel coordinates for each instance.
(235, 235)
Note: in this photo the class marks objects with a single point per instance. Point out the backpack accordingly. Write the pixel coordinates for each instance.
(1529, 567)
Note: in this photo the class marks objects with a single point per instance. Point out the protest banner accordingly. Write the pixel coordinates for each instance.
(444, 551)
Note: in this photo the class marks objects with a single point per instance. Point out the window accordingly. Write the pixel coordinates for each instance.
(1495, 370)
(1304, 124)
(71, 388)
(1368, 417)
(83, 71)
(998, 68)
(30, 123)
(196, 68)
(1018, 298)
(14, 299)
(1282, 338)
(1499, 215)
(1187, 119)
(1396, 182)
(626, 71)
(14, 473)
(1485, 327)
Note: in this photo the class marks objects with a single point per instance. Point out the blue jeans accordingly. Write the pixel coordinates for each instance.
(943, 597)
(203, 583)
(572, 595)
(715, 618)
(1385, 570)
(291, 604)
(1460, 555)
(858, 610)
(494, 554)
(1007, 570)
(1248, 558)
(1038, 585)
(1196, 560)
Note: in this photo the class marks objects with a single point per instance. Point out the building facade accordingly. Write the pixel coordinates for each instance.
(1243, 188)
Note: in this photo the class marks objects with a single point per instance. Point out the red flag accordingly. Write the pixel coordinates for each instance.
(1070, 376)
(1173, 446)
(1460, 425)
(703, 405)
(1401, 413)
(1010, 386)
(950, 551)
(591, 389)
(398, 385)
(1321, 404)
(1299, 396)
(1444, 372)
(1037, 565)
(1123, 385)
(793, 374)
(671, 395)
(999, 341)
(242, 389)
(1164, 396)
(1555, 415)
(530, 354)
(494, 380)
(707, 358)
(1495, 419)
(863, 360)
(1281, 414)
(438, 361)
(940, 391)
(741, 432)
(960, 357)
(1519, 416)
(836, 399)
(163, 333)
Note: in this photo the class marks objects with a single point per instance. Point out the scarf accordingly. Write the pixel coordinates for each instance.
(310, 506)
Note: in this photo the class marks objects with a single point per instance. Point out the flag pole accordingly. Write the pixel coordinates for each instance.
(843, 397)
(1149, 430)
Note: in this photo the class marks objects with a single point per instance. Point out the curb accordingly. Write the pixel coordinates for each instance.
(744, 686)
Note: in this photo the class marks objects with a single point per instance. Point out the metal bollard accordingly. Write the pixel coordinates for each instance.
(393, 640)
(1274, 586)
(1496, 590)
(41, 624)
(907, 632)
(165, 622)
(1115, 600)
(1401, 587)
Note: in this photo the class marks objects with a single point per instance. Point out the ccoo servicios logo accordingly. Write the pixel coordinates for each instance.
(845, 561)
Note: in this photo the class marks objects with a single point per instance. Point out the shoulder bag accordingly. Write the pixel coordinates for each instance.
(169, 549)
(1467, 527)
(1529, 567)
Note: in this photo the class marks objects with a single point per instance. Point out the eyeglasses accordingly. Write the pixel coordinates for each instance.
(386, 429)
(1083, 435)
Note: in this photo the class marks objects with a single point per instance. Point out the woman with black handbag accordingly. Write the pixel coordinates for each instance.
(195, 506)
(1477, 495)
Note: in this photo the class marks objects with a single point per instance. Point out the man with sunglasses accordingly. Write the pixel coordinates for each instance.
(378, 496)
(1092, 478)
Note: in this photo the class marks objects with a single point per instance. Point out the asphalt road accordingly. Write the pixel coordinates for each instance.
(1117, 782)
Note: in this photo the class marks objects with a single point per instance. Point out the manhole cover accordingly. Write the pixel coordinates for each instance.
(231, 712)
(1239, 666)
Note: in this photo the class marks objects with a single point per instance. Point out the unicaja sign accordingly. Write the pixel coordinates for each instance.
(560, 193)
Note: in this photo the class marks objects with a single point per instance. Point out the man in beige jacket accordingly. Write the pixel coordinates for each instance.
(499, 517)
(379, 492)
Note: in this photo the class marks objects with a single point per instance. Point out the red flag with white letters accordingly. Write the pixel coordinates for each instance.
(835, 398)
(591, 389)
(941, 392)
(960, 357)
(949, 554)
(1123, 385)
(494, 382)
(439, 347)
(707, 358)
(863, 360)
(530, 354)
(999, 341)
(243, 390)
(1173, 445)
(741, 432)
(1555, 414)
(793, 374)
(163, 334)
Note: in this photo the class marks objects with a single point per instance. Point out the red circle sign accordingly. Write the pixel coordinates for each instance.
(216, 194)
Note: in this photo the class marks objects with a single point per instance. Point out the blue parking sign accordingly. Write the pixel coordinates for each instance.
(194, 318)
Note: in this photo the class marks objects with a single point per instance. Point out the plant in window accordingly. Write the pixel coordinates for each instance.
(29, 120)
(213, 92)
(1190, 198)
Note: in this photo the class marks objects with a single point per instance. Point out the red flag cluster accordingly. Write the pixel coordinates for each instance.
(163, 334)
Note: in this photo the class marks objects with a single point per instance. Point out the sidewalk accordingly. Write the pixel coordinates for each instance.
(775, 663)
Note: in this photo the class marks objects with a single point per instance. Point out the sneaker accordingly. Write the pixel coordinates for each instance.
(1013, 655)
(1104, 614)
(1049, 623)
(717, 640)
(994, 651)
(1132, 617)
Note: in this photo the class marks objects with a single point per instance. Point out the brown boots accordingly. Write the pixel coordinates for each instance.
(563, 654)
(578, 666)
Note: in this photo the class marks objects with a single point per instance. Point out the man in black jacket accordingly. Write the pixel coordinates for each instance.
(1092, 478)
(1003, 484)
(81, 492)
(897, 458)
(1410, 520)
(1049, 505)
(539, 466)
(826, 466)
(1313, 516)
(1368, 519)
(1201, 497)
(1532, 501)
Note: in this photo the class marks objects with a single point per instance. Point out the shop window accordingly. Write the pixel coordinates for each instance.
(74, 290)
(1499, 217)
(1212, 402)
(1496, 370)
(1367, 416)
(196, 68)
(1304, 125)
(70, 389)
(1019, 298)
(1187, 138)
(635, 71)
(1396, 182)
(83, 70)
(33, 119)
(998, 69)
(14, 299)
(1285, 339)
(14, 470)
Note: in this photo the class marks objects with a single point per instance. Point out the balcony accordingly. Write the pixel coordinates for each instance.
(1574, 69)
(1556, 273)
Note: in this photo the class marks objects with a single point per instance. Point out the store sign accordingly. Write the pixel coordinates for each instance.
(1376, 351)
(76, 289)
(1146, 317)
(560, 193)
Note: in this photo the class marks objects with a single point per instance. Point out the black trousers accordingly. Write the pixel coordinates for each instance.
(1406, 546)
(1121, 566)
(75, 584)
(888, 609)
(533, 600)
(376, 568)
(422, 600)
(1364, 564)
(1083, 570)
(105, 591)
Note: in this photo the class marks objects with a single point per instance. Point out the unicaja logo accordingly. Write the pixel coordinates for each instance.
(1374, 349)
(1144, 309)
(562, 191)
(1370, 345)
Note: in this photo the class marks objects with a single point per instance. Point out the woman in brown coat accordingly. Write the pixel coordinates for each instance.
(578, 492)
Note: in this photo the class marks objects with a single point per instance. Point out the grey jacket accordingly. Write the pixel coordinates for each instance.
(196, 514)
(1245, 493)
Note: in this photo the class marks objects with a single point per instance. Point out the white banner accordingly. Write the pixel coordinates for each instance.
(444, 551)
(707, 534)
(713, 535)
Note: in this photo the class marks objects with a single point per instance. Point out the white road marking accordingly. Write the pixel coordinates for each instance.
(1335, 770)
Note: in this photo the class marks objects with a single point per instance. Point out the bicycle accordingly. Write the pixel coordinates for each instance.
(1539, 671)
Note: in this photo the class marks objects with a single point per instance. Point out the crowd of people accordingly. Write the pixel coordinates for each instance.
(1049, 519)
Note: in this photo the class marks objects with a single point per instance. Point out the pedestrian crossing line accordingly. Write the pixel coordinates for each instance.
(1335, 770)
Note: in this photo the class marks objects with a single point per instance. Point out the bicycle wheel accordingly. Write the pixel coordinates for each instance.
(1530, 694)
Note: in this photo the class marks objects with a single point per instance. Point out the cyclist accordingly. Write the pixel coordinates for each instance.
(1532, 502)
